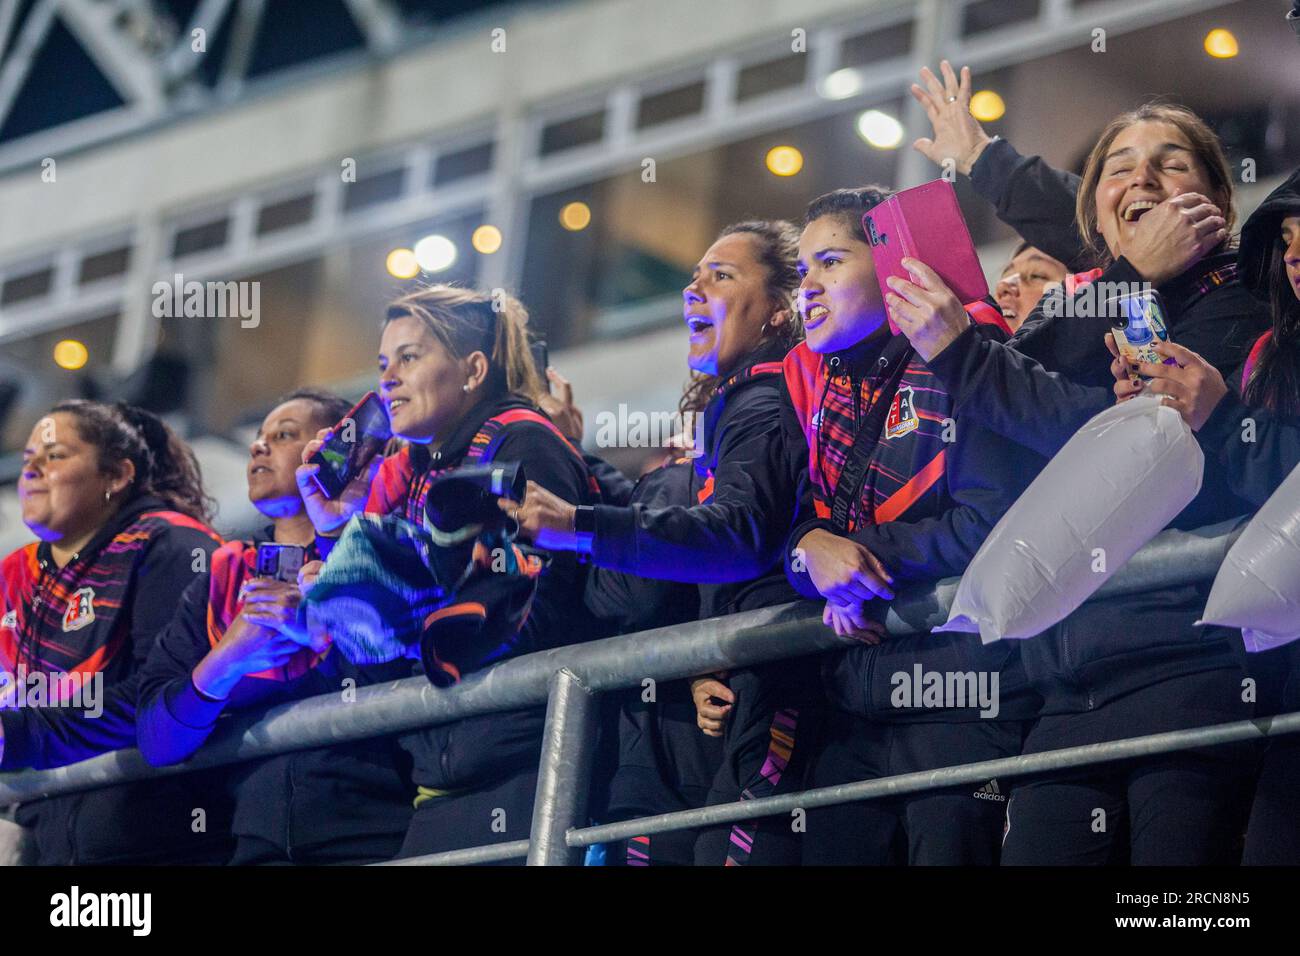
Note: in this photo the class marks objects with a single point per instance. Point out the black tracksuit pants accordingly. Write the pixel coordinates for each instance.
(768, 741)
(958, 826)
(1273, 834)
(501, 812)
(1177, 809)
(665, 764)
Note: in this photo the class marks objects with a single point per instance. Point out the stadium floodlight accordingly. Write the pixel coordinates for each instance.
(880, 129)
(841, 84)
(435, 253)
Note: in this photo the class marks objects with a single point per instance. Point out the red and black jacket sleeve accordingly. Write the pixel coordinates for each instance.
(735, 536)
(43, 737)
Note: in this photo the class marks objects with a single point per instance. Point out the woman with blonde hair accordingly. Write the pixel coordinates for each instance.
(457, 379)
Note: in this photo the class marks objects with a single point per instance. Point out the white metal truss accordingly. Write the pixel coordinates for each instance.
(520, 170)
(144, 53)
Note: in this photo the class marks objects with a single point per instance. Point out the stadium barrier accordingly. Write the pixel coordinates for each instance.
(567, 679)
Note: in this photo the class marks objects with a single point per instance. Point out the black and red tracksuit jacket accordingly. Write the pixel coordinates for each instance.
(101, 614)
(729, 539)
(935, 485)
(478, 751)
(296, 801)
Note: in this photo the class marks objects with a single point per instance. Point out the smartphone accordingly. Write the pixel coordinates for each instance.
(925, 223)
(360, 436)
(541, 361)
(280, 562)
(1139, 320)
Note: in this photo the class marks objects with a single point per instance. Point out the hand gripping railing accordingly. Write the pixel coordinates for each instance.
(568, 678)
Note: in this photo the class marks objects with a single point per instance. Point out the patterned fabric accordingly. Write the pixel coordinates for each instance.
(830, 408)
(397, 487)
(376, 589)
(65, 620)
(780, 746)
(232, 564)
(638, 851)
(387, 587)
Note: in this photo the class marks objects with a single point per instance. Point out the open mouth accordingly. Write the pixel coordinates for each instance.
(395, 403)
(1135, 210)
(814, 316)
(698, 324)
(259, 469)
(1008, 312)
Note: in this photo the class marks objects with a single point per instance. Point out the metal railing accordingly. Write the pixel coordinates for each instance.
(567, 680)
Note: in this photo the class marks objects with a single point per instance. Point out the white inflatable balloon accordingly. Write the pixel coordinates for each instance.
(1258, 585)
(1118, 482)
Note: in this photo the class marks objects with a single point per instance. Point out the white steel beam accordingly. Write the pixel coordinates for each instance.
(134, 72)
(379, 22)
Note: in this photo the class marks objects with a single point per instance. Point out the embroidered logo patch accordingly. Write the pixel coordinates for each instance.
(902, 418)
(10, 620)
(81, 610)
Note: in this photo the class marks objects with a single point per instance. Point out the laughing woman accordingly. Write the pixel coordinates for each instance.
(457, 379)
(1156, 202)
(117, 503)
(1267, 394)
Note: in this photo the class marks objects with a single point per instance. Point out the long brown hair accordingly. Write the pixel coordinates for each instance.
(165, 466)
(776, 242)
(466, 321)
(1206, 147)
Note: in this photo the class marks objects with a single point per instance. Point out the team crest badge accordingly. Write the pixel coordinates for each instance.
(10, 620)
(902, 418)
(81, 610)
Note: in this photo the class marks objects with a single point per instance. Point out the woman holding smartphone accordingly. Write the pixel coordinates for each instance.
(233, 645)
(1265, 398)
(458, 383)
(116, 501)
(1156, 200)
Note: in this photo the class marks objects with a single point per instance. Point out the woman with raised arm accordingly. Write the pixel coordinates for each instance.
(1156, 203)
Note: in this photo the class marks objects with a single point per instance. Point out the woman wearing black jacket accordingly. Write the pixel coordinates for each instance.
(1157, 192)
(233, 645)
(1250, 424)
(457, 379)
(728, 535)
(118, 505)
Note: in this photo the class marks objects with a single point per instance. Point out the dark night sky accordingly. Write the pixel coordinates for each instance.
(64, 83)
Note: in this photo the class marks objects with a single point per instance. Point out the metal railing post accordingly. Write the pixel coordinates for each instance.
(565, 771)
